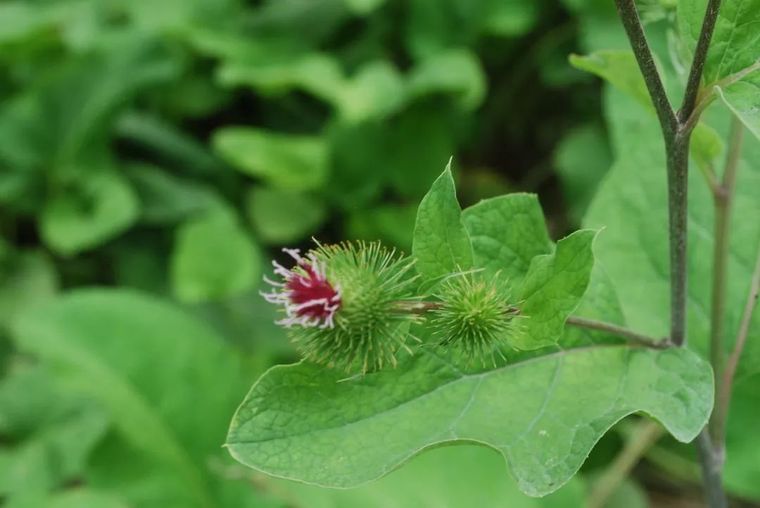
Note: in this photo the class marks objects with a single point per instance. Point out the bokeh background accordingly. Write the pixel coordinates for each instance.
(155, 155)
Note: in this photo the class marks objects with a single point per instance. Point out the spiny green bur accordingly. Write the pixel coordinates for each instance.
(474, 315)
(370, 326)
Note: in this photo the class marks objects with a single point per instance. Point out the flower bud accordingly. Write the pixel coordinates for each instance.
(475, 315)
(345, 304)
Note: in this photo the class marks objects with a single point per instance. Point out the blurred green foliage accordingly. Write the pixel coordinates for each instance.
(164, 150)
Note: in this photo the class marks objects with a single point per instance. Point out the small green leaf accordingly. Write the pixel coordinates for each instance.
(391, 224)
(507, 232)
(169, 142)
(286, 161)
(511, 17)
(166, 198)
(363, 7)
(441, 244)
(315, 73)
(95, 209)
(282, 217)
(376, 91)
(619, 68)
(552, 290)
(455, 72)
(26, 279)
(213, 258)
(543, 414)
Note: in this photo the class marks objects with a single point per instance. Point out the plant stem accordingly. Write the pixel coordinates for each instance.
(677, 129)
(677, 147)
(710, 458)
(678, 170)
(698, 63)
(711, 462)
(630, 335)
(723, 393)
(647, 432)
(723, 199)
(635, 31)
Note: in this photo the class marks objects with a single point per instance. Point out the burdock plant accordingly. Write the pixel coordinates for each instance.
(601, 345)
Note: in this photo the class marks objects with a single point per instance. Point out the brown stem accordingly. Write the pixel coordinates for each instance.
(644, 436)
(700, 57)
(711, 462)
(635, 31)
(629, 335)
(723, 395)
(723, 199)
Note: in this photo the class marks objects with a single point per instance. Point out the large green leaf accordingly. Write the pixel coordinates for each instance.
(441, 244)
(167, 381)
(543, 413)
(742, 448)
(582, 158)
(75, 498)
(409, 169)
(51, 432)
(507, 232)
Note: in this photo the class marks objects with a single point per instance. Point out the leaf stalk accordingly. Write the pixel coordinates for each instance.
(630, 335)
